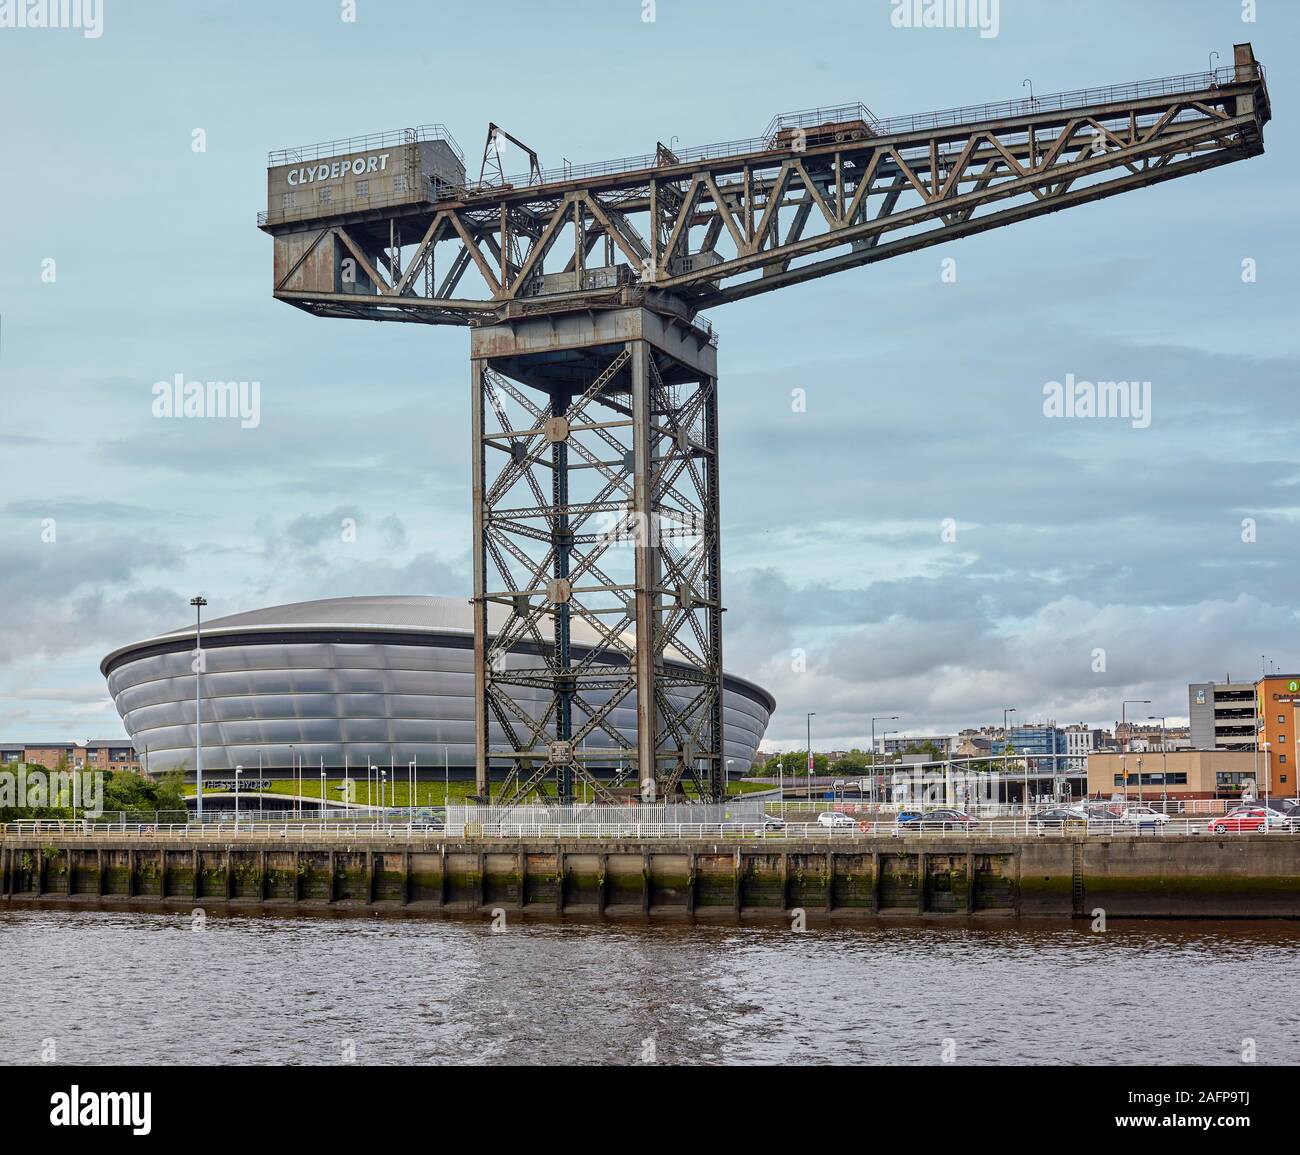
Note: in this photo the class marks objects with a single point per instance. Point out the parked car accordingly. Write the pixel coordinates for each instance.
(1283, 813)
(944, 819)
(1059, 817)
(1278, 819)
(1104, 810)
(906, 820)
(1143, 817)
(1102, 817)
(424, 820)
(836, 821)
(771, 822)
(1248, 819)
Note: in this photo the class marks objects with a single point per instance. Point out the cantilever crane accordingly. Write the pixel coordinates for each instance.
(596, 560)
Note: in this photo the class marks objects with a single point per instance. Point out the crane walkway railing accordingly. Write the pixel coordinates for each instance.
(1031, 106)
(392, 139)
(896, 125)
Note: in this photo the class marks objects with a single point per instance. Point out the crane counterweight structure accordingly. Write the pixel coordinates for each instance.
(594, 377)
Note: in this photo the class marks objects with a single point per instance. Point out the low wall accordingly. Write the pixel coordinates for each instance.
(1243, 876)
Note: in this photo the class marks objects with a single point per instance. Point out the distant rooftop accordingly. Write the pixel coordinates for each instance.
(64, 744)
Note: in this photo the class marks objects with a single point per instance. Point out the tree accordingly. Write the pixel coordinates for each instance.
(127, 790)
(795, 762)
(20, 810)
(171, 791)
(854, 762)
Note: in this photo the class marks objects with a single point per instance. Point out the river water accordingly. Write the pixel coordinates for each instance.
(147, 988)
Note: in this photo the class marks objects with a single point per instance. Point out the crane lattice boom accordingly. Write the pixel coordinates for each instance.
(819, 192)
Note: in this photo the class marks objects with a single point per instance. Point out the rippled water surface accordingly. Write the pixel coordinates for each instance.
(142, 988)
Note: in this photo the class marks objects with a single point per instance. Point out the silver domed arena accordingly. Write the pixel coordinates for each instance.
(345, 682)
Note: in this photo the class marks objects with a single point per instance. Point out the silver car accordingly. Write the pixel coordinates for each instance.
(834, 821)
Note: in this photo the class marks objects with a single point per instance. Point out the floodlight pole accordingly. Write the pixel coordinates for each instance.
(198, 603)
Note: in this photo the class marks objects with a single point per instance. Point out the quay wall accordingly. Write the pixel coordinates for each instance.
(1202, 876)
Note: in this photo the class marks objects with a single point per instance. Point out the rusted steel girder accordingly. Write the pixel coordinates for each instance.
(596, 556)
(738, 220)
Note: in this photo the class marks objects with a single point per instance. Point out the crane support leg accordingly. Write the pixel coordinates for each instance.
(597, 588)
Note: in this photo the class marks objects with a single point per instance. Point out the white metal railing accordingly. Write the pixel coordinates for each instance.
(603, 816)
(768, 831)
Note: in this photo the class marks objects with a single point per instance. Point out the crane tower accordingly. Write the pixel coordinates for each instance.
(593, 374)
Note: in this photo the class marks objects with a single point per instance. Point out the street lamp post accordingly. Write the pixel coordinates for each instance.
(446, 780)
(1006, 759)
(238, 771)
(1164, 758)
(198, 604)
(808, 720)
(877, 718)
(322, 787)
(1123, 722)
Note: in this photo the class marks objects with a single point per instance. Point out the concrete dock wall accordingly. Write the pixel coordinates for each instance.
(1243, 876)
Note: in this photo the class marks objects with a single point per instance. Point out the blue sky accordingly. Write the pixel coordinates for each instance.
(924, 398)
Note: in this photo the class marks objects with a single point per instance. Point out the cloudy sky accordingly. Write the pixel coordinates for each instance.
(924, 397)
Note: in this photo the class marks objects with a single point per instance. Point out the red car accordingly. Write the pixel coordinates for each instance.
(1248, 818)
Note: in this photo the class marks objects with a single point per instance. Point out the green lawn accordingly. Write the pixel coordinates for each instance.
(395, 794)
(426, 793)
(749, 787)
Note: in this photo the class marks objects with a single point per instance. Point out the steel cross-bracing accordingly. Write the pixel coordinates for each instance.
(583, 288)
(822, 192)
(596, 550)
